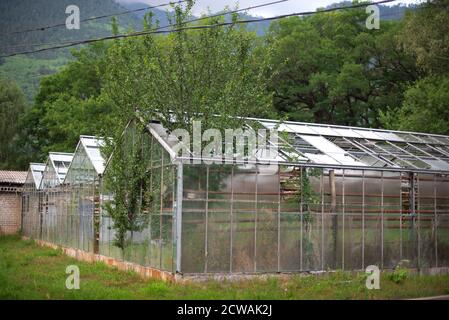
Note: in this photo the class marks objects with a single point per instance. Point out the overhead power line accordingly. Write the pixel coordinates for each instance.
(166, 26)
(169, 25)
(199, 27)
(96, 17)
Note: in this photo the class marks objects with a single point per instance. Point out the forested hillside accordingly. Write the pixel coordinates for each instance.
(21, 15)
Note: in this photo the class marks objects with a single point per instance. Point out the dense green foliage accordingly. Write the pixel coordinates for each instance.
(67, 105)
(331, 69)
(426, 105)
(12, 107)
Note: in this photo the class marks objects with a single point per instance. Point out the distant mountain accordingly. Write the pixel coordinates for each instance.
(161, 16)
(394, 12)
(158, 13)
(31, 14)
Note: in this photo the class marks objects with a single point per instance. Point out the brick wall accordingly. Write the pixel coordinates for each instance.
(10, 212)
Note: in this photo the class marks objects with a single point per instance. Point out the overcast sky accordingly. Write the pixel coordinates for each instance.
(202, 6)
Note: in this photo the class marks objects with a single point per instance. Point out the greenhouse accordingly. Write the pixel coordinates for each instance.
(45, 198)
(82, 184)
(331, 198)
(337, 198)
(32, 201)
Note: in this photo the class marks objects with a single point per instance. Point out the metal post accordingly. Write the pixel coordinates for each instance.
(363, 219)
(322, 219)
(161, 195)
(382, 219)
(232, 219)
(301, 204)
(343, 222)
(412, 212)
(255, 222)
(435, 219)
(207, 220)
(279, 219)
(418, 206)
(333, 210)
(179, 191)
(400, 218)
(150, 213)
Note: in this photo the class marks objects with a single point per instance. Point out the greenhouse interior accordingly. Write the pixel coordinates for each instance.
(337, 198)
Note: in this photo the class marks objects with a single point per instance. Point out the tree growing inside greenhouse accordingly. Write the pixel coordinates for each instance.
(214, 75)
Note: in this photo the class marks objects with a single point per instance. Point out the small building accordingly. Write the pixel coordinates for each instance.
(11, 183)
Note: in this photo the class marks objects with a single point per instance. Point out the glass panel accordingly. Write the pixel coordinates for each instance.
(301, 129)
(194, 219)
(290, 227)
(368, 134)
(219, 219)
(312, 219)
(353, 204)
(392, 219)
(244, 225)
(373, 219)
(325, 131)
(442, 211)
(267, 221)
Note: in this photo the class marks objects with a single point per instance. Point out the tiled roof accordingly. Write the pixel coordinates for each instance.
(13, 177)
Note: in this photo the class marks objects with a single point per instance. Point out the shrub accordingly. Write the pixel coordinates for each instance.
(399, 275)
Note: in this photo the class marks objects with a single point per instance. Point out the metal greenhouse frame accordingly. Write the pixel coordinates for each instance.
(337, 198)
(32, 200)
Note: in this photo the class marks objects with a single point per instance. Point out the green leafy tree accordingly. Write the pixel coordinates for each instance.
(425, 107)
(329, 68)
(214, 75)
(425, 36)
(68, 104)
(12, 107)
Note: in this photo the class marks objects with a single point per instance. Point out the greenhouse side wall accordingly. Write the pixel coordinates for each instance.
(252, 219)
(64, 214)
(73, 214)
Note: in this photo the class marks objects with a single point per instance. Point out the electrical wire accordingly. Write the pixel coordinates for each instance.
(169, 25)
(198, 27)
(97, 17)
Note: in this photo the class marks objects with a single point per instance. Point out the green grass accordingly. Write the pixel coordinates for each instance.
(28, 271)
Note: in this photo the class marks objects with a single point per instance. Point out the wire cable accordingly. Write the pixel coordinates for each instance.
(95, 18)
(199, 27)
(169, 25)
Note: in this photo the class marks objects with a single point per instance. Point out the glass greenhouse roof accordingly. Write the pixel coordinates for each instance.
(92, 147)
(339, 146)
(56, 169)
(87, 162)
(35, 173)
